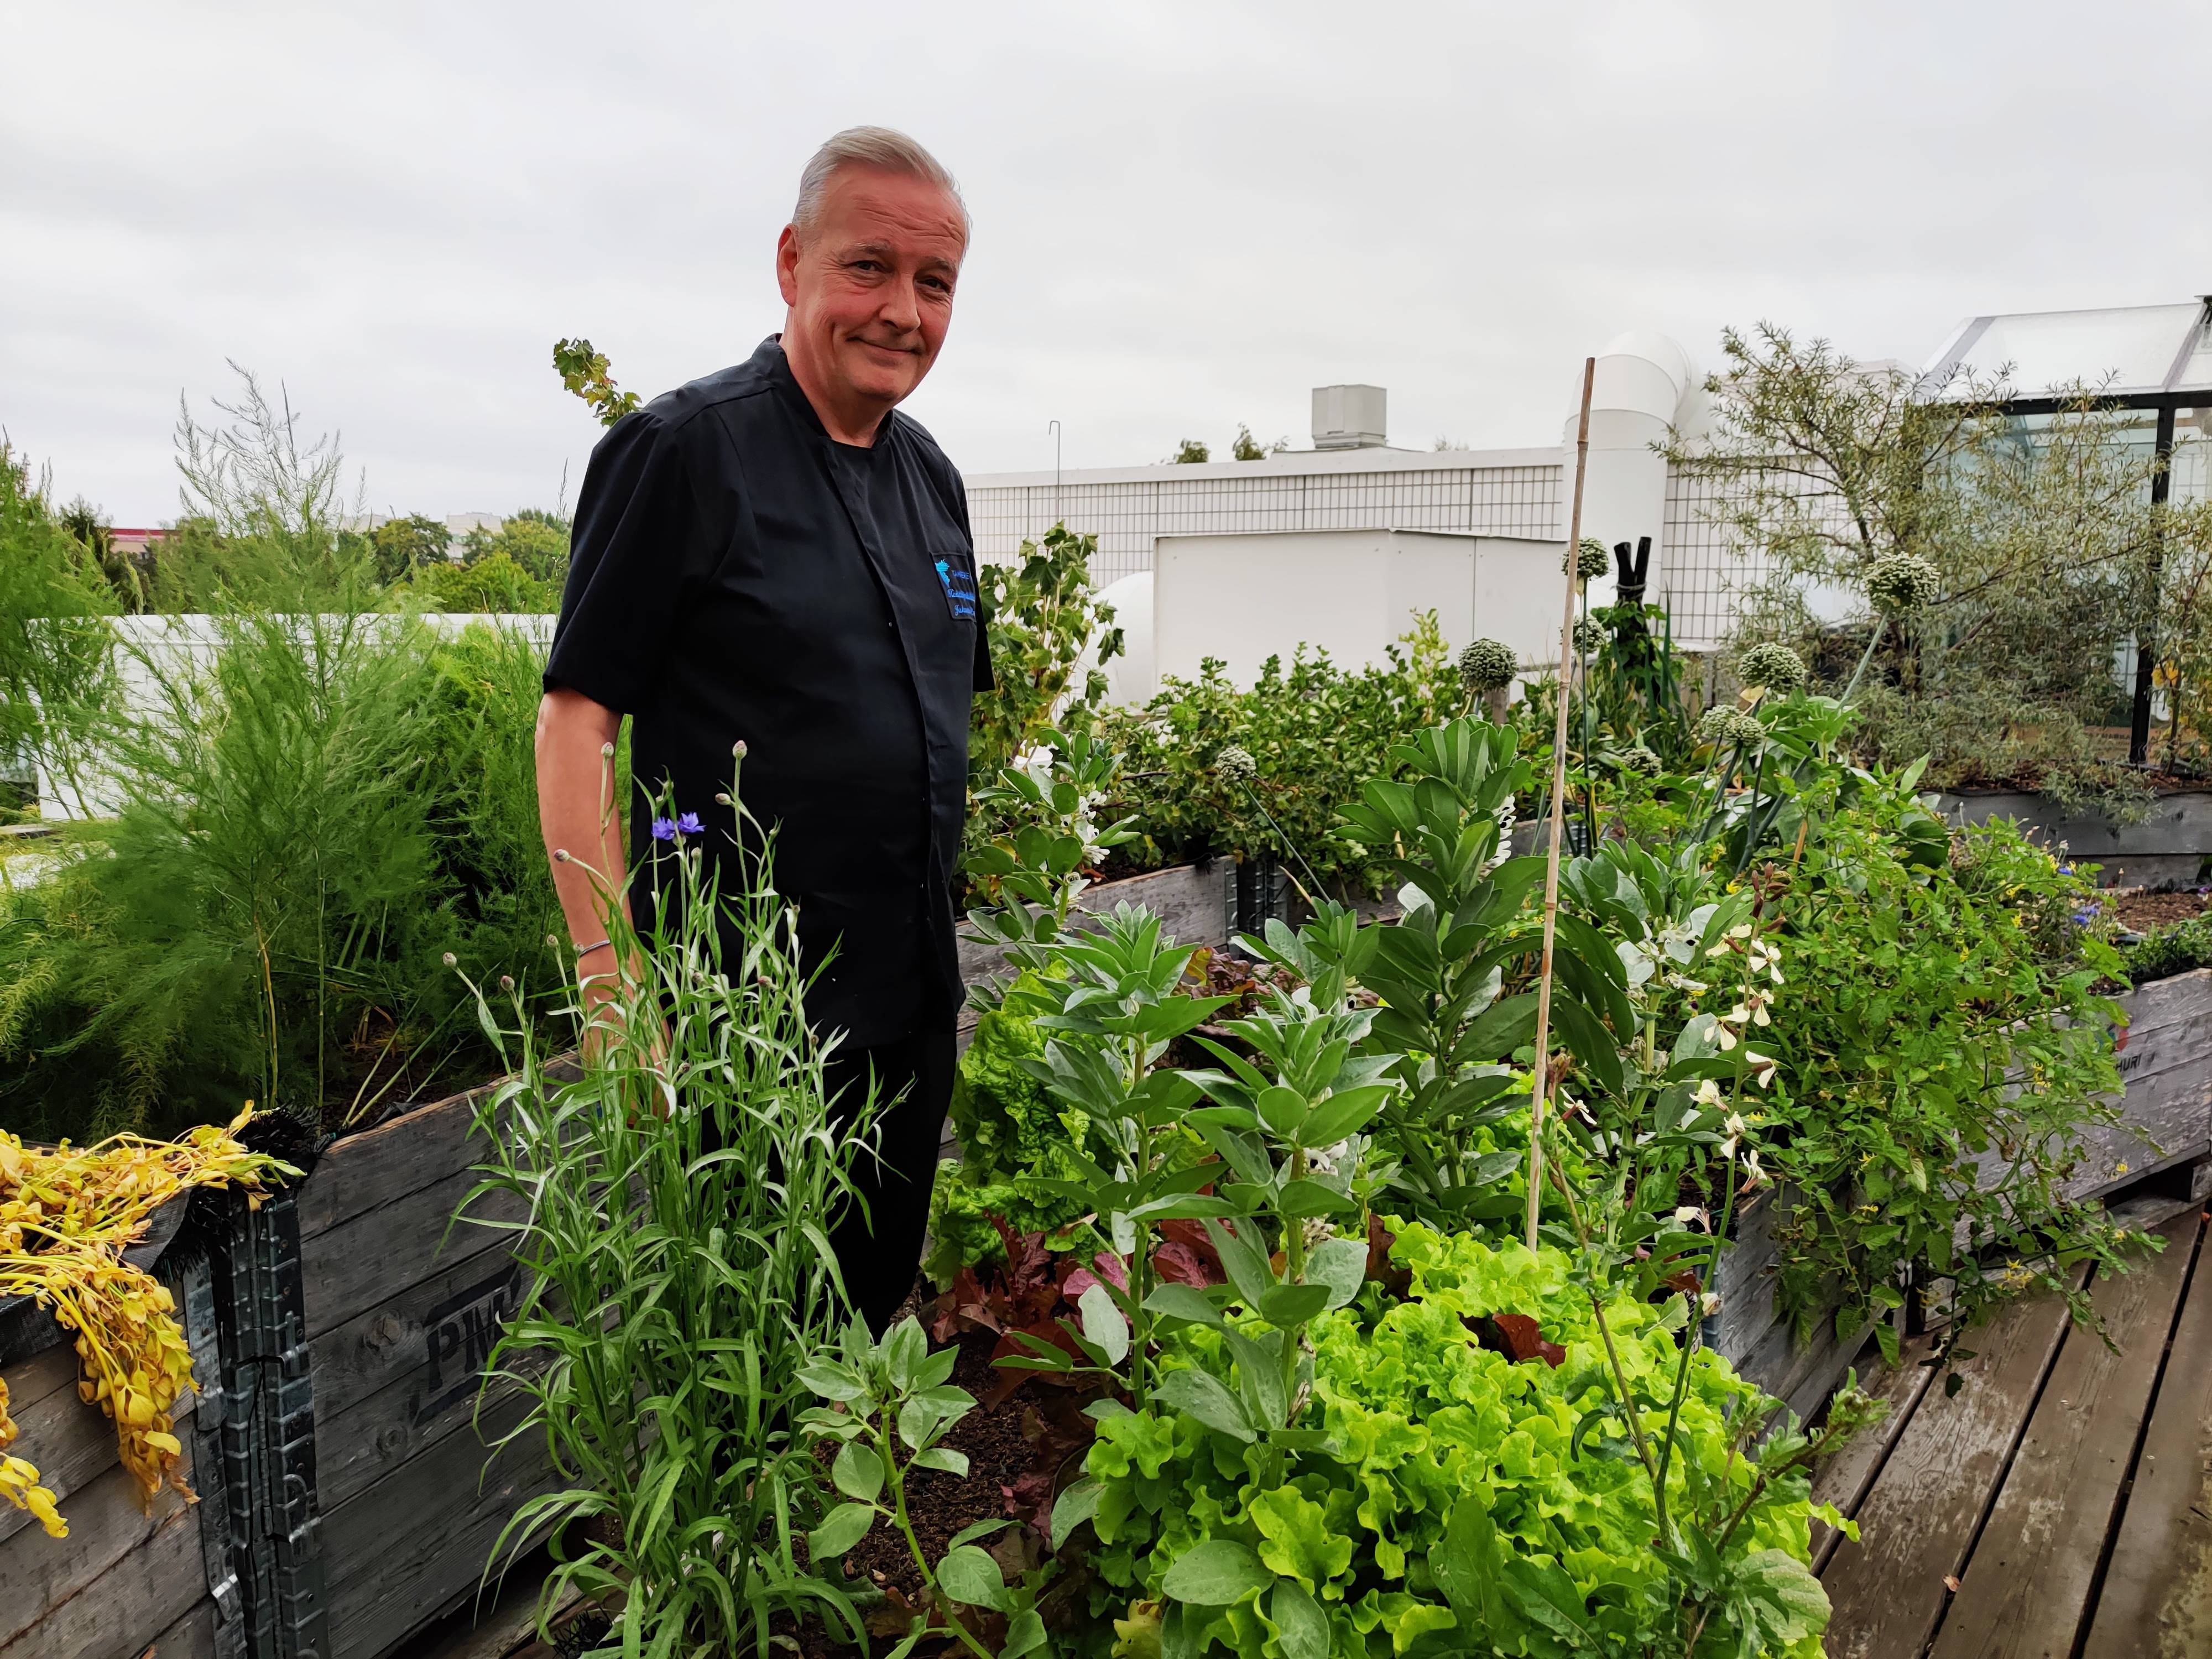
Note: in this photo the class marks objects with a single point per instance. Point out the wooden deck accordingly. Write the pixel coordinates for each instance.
(2059, 1504)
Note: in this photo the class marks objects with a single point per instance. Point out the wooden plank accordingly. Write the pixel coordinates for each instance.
(410, 1333)
(30, 1381)
(120, 1578)
(392, 1428)
(362, 1263)
(1846, 1477)
(1186, 898)
(191, 1637)
(1918, 1521)
(402, 1551)
(2156, 1603)
(367, 1173)
(72, 1444)
(2024, 1593)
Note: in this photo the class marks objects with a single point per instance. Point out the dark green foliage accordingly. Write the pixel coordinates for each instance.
(1317, 733)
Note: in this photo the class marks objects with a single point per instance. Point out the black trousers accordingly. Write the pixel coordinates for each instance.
(879, 1251)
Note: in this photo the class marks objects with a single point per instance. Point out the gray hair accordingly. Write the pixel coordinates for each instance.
(881, 148)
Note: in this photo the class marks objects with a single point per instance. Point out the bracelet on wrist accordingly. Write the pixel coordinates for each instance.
(583, 951)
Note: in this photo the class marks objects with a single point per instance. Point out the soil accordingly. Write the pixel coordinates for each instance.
(2139, 910)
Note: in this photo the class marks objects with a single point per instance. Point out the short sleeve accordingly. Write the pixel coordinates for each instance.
(638, 545)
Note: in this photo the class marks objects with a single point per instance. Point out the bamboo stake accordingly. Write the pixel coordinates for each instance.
(1558, 808)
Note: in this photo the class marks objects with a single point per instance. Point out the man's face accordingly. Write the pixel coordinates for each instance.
(870, 287)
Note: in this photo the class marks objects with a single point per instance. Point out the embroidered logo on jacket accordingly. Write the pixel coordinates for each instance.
(959, 590)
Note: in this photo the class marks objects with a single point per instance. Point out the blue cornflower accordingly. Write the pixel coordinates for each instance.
(2083, 918)
(2065, 869)
(664, 829)
(689, 824)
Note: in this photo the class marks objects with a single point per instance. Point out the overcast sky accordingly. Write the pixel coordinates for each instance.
(1187, 214)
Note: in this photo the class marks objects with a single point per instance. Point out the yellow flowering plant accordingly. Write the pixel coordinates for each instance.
(66, 1214)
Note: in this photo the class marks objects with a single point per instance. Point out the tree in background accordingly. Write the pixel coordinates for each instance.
(1249, 448)
(56, 673)
(402, 546)
(534, 539)
(1190, 452)
(1821, 466)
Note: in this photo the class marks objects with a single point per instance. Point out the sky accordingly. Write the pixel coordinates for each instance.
(1186, 215)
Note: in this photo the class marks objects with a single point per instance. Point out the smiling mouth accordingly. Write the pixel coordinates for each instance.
(888, 351)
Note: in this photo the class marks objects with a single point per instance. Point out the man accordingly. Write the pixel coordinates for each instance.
(771, 555)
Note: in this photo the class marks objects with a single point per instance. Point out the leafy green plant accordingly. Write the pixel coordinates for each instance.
(587, 374)
(1315, 734)
(1451, 1492)
(1442, 970)
(1118, 1013)
(1947, 1050)
(891, 1403)
(674, 1204)
(1012, 1132)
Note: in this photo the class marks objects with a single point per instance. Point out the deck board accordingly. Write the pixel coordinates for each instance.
(1918, 1521)
(1849, 1475)
(2156, 1603)
(2024, 1593)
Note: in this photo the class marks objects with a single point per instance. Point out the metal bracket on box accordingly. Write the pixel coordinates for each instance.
(269, 1434)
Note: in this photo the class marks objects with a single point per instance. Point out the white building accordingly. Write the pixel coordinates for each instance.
(1337, 544)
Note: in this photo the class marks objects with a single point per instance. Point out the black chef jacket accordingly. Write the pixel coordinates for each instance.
(734, 574)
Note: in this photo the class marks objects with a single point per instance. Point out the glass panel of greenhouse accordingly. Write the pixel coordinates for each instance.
(2130, 351)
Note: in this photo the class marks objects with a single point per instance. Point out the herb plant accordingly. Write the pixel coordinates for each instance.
(675, 1203)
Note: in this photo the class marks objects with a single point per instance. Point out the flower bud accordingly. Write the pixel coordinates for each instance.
(607, 751)
(738, 749)
(560, 855)
(451, 960)
(507, 981)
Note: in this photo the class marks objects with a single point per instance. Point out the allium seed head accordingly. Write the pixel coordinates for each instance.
(1591, 559)
(1236, 765)
(738, 749)
(607, 751)
(1777, 667)
(451, 960)
(1642, 762)
(1590, 637)
(1728, 726)
(1487, 665)
(1902, 582)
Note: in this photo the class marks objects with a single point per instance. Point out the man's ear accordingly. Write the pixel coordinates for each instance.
(786, 264)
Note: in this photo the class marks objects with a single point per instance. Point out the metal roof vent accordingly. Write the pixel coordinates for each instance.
(1349, 417)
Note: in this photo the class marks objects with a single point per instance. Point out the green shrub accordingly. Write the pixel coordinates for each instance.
(2174, 949)
(1454, 1486)
(1315, 733)
(307, 829)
